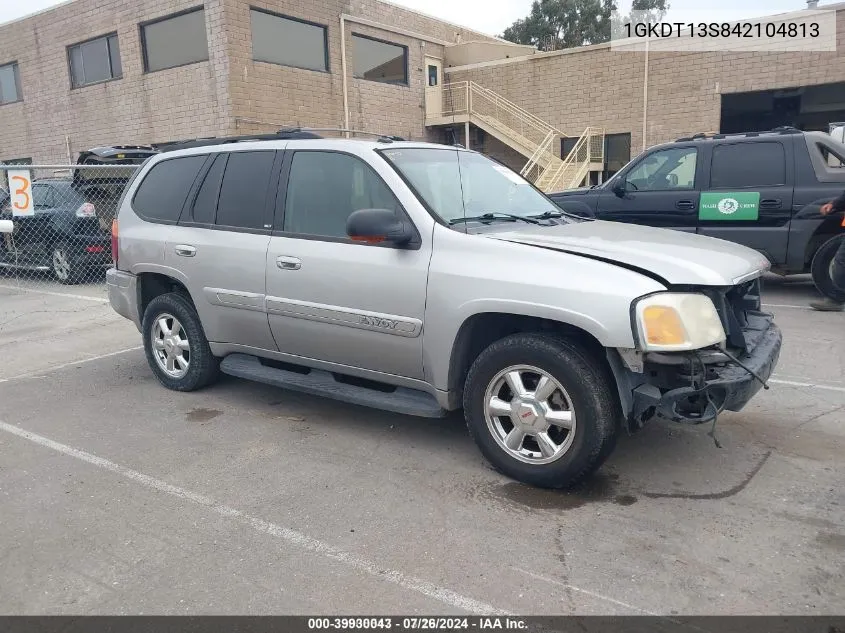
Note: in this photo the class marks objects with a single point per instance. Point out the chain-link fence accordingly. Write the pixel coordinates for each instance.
(55, 220)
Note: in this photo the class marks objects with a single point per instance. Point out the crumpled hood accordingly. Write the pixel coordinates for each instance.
(677, 257)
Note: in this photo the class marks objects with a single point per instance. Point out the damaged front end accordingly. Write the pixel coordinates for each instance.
(693, 387)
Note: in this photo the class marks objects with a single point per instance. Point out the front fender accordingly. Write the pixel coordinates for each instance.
(471, 275)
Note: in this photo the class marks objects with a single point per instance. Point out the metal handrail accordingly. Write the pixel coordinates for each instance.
(541, 149)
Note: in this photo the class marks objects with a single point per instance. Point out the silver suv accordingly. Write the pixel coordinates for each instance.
(421, 279)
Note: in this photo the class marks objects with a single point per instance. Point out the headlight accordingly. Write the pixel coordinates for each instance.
(675, 322)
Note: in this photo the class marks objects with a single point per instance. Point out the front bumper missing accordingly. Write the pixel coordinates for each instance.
(694, 387)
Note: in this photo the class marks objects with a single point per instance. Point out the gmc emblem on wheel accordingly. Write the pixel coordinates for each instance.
(384, 324)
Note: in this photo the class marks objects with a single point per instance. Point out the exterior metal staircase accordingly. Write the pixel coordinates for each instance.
(467, 101)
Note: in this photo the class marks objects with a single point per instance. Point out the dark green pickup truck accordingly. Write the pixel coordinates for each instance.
(759, 189)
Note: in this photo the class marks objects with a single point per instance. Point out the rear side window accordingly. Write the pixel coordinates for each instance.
(324, 188)
(205, 205)
(163, 192)
(243, 196)
(42, 196)
(747, 165)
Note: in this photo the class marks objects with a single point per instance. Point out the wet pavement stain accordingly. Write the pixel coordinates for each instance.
(730, 492)
(832, 539)
(202, 415)
(600, 488)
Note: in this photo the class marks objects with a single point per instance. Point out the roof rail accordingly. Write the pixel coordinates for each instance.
(381, 137)
(784, 129)
(221, 140)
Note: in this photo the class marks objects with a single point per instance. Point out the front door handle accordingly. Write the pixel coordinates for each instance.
(185, 250)
(288, 263)
(685, 205)
(773, 203)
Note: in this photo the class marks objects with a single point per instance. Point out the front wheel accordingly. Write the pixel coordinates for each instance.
(822, 269)
(541, 409)
(175, 344)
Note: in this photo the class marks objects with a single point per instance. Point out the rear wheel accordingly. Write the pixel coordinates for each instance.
(65, 269)
(175, 344)
(541, 409)
(822, 269)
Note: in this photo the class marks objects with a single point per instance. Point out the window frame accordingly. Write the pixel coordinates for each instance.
(281, 204)
(16, 74)
(713, 150)
(142, 34)
(407, 55)
(113, 77)
(186, 215)
(624, 174)
(282, 16)
(191, 190)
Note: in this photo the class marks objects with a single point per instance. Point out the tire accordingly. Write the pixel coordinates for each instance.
(65, 269)
(202, 366)
(583, 389)
(820, 269)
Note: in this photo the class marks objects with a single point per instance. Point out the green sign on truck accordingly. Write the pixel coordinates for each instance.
(727, 206)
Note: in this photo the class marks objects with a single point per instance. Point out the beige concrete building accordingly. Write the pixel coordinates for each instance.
(95, 72)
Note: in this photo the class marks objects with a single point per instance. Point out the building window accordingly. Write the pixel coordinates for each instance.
(94, 61)
(379, 61)
(176, 40)
(10, 84)
(288, 42)
(617, 153)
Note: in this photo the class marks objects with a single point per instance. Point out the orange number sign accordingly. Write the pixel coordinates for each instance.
(23, 190)
(20, 184)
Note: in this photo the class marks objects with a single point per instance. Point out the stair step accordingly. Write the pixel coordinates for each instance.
(322, 383)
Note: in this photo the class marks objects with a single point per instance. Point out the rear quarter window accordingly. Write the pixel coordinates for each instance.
(745, 165)
(163, 191)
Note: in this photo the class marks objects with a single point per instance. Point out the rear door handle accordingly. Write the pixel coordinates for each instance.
(685, 205)
(185, 250)
(285, 262)
(772, 203)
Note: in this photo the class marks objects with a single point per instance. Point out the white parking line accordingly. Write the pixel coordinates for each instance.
(808, 385)
(584, 591)
(32, 374)
(784, 305)
(51, 293)
(292, 537)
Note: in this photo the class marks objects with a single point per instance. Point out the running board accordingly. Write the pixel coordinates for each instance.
(322, 383)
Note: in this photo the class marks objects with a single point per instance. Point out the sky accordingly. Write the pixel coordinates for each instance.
(493, 16)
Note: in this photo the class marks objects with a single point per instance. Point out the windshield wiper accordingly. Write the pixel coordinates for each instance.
(497, 215)
(549, 215)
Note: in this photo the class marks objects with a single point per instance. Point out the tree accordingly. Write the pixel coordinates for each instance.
(655, 8)
(569, 23)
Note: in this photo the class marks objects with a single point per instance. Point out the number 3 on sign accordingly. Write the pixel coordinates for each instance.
(20, 186)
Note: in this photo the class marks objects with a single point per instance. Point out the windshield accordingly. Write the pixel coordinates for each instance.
(457, 184)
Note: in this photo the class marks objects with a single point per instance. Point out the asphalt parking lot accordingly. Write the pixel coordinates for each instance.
(117, 496)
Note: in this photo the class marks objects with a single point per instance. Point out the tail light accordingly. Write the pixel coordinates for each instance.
(114, 242)
(87, 210)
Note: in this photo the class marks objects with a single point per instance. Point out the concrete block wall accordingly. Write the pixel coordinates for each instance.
(140, 107)
(605, 87)
(208, 98)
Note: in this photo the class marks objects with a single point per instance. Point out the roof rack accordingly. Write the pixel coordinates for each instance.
(784, 129)
(293, 133)
(383, 138)
(221, 140)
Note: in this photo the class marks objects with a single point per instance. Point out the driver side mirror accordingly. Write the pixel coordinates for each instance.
(619, 188)
(377, 226)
